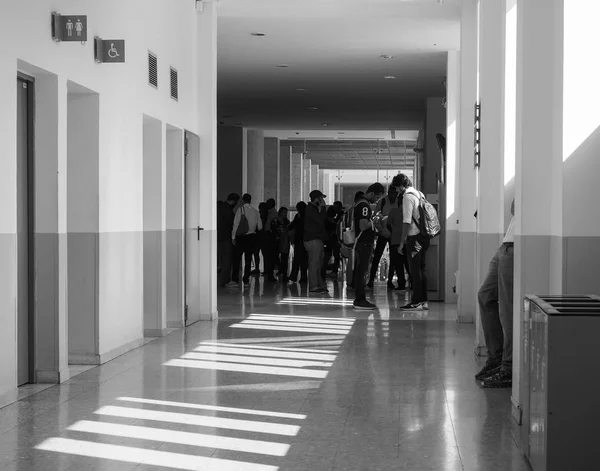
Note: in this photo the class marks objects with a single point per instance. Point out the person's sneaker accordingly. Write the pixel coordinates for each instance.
(489, 369)
(318, 291)
(364, 305)
(246, 282)
(412, 307)
(425, 306)
(502, 379)
(232, 284)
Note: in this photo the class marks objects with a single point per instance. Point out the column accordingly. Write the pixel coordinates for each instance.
(206, 79)
(451, 176)
(230, 160)
(314, 177)
(539, 161)
(306, 182)
(271, 166)
(466, 286)
(490, 201)
(285, 188)
(297, 178)
(256, 165)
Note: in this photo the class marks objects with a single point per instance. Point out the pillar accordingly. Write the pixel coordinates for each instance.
(229, 161)
(271, 166)
(306, 179)
(314, 178)
(490, 200)
(467, 229)
(206, 91)
(256, 165)
(451, 176)
(539, 161)
(297, 178)
(285, 189)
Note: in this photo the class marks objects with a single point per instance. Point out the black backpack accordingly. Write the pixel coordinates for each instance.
(428, 223)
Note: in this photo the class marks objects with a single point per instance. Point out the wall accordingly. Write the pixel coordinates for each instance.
(271, 156)
(255, 179)
(435, 122)
(229, 161)
(168, 29)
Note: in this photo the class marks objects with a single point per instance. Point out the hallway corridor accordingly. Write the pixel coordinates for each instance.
(283, 382)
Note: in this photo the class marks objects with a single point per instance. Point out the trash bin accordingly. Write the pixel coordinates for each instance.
(560, 384)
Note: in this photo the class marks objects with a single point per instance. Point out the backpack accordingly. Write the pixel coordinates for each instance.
(348, 233)
(428, 223)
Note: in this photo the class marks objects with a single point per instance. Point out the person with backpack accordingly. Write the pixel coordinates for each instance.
(363, 247)
(246, 224)
(420, 225)
(348, 238)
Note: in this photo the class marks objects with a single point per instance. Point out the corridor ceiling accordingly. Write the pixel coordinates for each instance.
(332, 50)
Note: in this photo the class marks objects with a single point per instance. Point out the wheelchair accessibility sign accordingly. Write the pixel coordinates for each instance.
(110, 50)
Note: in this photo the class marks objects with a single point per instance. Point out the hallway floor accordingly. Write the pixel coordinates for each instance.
(284, 382)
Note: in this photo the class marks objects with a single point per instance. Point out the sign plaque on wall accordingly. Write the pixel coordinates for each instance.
(69, 28)
(109, 50)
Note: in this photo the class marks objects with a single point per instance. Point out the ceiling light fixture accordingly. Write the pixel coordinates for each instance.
(313, 108)
(325, 124)
(300, 89)
(260, 35)
(282, 66)
(386, 56)
(390, 77)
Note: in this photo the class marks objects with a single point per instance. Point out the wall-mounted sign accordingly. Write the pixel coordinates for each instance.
(69, 28)
(109, 50)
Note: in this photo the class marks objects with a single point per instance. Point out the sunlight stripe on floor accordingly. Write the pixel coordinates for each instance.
(181, 438)
(296, 338)
(274, 348)
(200, 420)
(282, 328)
(235, 410)
(148, 457)
(266, 353)
(254, 360)
(266, 370)
(341, 329)
(336, 320)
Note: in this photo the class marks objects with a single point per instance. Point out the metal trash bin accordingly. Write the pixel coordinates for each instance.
(560, 384)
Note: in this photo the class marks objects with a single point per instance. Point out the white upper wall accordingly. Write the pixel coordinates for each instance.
(165, 27)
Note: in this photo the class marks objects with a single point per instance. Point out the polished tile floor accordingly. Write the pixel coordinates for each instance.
(281, 382)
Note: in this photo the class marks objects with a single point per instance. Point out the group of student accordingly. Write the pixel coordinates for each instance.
(319, 233)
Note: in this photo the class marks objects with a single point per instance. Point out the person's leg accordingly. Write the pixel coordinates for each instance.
(505, 306)
(396, 264)
(413, 248)
(425, 243)
(321, 261)
(237, 261)
(304, 266)
(314, 268)
(226, 261)
(249, 244)
(379, 248)
(363, 254)
(337, 257)
(406, 265)
(284, 265)
(490, 315)
(269, 251)
(327, 253)
(296, 262)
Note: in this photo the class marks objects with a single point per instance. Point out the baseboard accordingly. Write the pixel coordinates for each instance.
(117, 352)
(84, 359)
(175, 325)
(516, 411)
(156, 332)
(52, 376)
(211, 316)
(480, 351)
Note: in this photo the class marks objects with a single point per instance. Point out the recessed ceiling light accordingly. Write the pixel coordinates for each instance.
(283, 66)
(386, 56)
(313, 108)
(260, 35)
(390, 77)
(300, 89)
(325, 124)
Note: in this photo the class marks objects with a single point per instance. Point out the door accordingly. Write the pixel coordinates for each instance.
(193, 231)
(24, 229)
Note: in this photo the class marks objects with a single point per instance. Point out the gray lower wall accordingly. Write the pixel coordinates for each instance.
(467, 283)
(153, 281)
(175, 279)
(581, 265)
(451, 264)
(83, 294)
(8, 312)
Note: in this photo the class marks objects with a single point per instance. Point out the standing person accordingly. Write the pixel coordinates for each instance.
(363, 248)
(269, 239)
(248, 218)
(384, 207)
(349, 223)
(260, 243)
(283, 243)
(300, 261)
(397, 260)
(332, 247)
(496, 306)
(315, 237)
(416, 244)
(225, 214)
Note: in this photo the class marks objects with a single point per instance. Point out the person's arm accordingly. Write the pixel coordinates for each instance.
(236, 223)
(259, 224)
(408, 205)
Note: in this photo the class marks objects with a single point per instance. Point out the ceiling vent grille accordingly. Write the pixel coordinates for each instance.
(152, 70)
(174, 84)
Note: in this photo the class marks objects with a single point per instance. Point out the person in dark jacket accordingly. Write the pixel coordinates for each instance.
(281, 225)
(225, 215)
(296, 231)
(315, 236)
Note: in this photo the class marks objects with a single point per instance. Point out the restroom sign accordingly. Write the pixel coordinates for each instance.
(69, 28)
(109, 50)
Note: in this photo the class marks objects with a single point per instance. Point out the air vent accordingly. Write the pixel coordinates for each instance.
(152, 70)
(174, 84)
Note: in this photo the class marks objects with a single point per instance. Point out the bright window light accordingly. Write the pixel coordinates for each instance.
(265, 370)
(200, 420)
(284, 329)
(266, 353)
(256, 360)
(148, 457)
(321, 302)
(234, 410)
(314, 343)
(300, 338)
(181, 438)
(299, 319)
(279, 386)
(278, 348)
(341, 329)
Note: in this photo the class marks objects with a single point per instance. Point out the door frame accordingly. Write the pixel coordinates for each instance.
(185, 227)
(30, 81)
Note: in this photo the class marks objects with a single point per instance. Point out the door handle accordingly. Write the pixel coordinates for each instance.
(199, 229)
